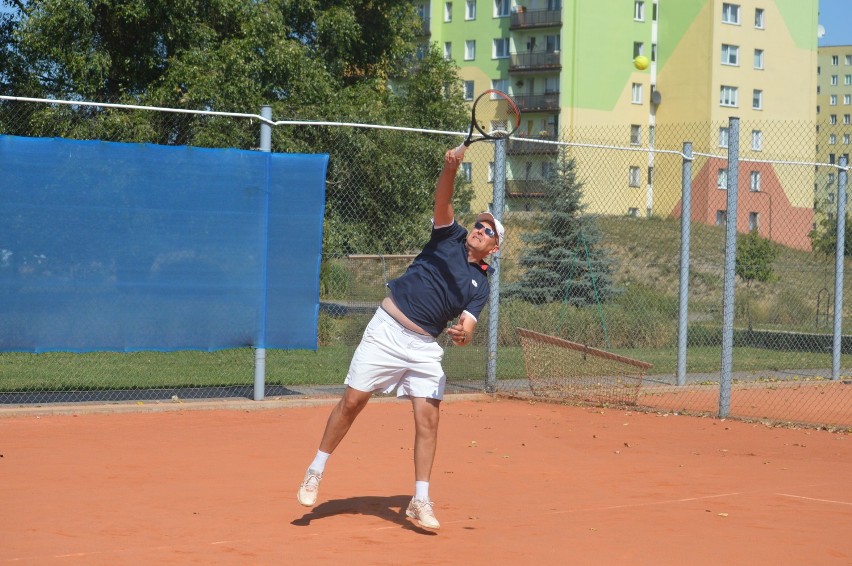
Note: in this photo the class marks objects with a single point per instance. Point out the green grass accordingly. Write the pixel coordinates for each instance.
(57, 371)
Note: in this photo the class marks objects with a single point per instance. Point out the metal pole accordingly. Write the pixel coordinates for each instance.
(260, 352)
(497, 205)
(730, 268)
(839, 256)
(683, 300)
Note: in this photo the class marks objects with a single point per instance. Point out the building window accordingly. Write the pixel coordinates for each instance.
(470, 50)
(639, 10)
(847, 99)
(638, 49)
(759, 18)
(730, 54)
(500, 84)
(847, 119)
(753, 221)
(758, 58)
(470, 10)
(448, 50)
(448, 11)
(722, 179)
(831, 182)
(846, 139)
(832, 100)
(723, 136)
(721, 217)
(467, 171)
(636, 93)
(501, 8)
(832, 139)
(728, 96)
(633, 212)
(468, 90)
(754, 181)
(551, 43)
(633, 177)
(730, 13)
(756, 140)
(501, 48)
(832, 119)
(848, 59)
(835, 60)
(635, 134)
(833, 80)
(847, 80)
(490, 171)
(651, 175)
(757, 99)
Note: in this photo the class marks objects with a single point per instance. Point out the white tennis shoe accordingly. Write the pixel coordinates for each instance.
(309, 489)
(423, 514)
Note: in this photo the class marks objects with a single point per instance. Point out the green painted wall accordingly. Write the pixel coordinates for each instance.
(676, 18)
(801, 19)
(598, 49)
(483, 29)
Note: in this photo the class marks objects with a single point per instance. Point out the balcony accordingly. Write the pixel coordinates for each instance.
(547, 102)
(529, 19)
(425, 28)
(535, 61)
(529, 145)
(528, 188)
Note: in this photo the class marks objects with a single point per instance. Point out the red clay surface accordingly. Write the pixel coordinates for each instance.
(514, 483)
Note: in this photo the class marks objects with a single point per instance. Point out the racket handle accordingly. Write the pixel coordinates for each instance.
(459, 151)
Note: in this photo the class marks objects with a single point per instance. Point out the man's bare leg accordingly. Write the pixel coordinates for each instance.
(339, 421)
(426, 416)
(342, 417)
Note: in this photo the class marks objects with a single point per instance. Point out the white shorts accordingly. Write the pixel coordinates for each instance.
(391, 356)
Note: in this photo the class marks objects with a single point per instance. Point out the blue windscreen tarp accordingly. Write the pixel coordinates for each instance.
(113, 246)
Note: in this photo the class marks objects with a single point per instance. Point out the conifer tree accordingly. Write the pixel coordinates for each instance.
(563, 260)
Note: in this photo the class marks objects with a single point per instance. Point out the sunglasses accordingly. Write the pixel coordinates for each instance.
(488, 231)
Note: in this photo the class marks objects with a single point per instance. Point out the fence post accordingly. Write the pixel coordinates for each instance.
(730, 267)
(260, 353)
(497, 205)
(839, 256)
(683, 299)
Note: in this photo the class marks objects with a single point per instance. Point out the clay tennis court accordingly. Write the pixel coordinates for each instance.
(515, 482)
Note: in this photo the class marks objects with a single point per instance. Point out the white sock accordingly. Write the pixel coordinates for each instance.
(318, 465)
(421, 490)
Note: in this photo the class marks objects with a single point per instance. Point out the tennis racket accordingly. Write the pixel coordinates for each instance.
(494, 116)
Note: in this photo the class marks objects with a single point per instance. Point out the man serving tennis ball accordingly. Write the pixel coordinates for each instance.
(448, 279)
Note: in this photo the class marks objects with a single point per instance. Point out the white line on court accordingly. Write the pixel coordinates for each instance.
(647, 503)
(815, 499)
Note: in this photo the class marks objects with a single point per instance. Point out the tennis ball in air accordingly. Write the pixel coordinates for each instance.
(641, 62)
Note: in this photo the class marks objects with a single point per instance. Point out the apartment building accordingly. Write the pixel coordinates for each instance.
(568, 63)
(834, 123)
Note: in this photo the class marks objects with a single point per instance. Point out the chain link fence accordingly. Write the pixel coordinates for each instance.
(592, 256)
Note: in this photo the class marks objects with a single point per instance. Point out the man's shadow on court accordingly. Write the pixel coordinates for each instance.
(391, 508)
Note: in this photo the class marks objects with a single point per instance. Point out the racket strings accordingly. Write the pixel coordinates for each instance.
(496, 117)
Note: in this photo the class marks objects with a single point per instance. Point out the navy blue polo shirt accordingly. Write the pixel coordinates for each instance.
(441, 283)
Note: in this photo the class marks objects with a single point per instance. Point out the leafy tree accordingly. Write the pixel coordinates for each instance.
(327, 60)
(562, 261)
(824, 236)
(754, 262)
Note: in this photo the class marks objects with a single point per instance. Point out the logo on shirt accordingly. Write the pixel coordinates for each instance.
(475, 284)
